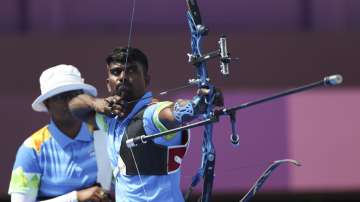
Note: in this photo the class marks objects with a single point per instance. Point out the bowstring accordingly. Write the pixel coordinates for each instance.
(125, 70)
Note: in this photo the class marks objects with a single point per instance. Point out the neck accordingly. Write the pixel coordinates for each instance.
(131, 104)
(129, 107)
(69, 127)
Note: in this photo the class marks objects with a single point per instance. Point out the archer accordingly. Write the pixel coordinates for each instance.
(150, 172)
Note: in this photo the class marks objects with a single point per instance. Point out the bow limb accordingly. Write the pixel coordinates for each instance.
(207, 168)
(264, 176)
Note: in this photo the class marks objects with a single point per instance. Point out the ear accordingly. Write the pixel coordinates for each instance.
(147, 79)
(108, 85)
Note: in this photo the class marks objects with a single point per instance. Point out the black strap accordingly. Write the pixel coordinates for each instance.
(151, 158)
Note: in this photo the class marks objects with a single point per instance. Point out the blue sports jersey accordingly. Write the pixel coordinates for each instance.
(49, 163)
(141, 188)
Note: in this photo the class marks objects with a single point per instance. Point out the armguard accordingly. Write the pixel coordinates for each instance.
(188, 109)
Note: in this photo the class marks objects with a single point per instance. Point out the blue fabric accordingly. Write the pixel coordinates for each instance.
(135, 188)
(150, 127)
(61, 163)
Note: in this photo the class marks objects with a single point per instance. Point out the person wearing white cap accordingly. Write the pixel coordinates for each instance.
(57, 162)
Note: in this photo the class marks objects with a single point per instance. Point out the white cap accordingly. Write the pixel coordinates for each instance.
(60, 79)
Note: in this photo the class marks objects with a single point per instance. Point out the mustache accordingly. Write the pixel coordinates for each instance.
(122, 88)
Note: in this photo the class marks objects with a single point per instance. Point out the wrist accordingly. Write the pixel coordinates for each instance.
(73, 196)
(99, 104)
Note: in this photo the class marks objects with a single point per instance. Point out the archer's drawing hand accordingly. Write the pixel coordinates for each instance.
(115, 106)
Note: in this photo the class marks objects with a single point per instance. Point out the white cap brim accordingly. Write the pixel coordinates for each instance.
(38, 104)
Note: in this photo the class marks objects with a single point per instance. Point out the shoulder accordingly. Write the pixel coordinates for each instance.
(28, 153)
(37, 139)
(156, 111)
(151, 113)
(154, 121)
(156, 107)
(26, 173)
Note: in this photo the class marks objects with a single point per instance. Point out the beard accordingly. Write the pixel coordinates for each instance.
(124, 91)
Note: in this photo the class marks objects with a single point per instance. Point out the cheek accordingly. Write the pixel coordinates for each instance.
(139, 83)
(112, 82)
(59, 108)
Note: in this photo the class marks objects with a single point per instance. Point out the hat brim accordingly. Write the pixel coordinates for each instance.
(38, 104)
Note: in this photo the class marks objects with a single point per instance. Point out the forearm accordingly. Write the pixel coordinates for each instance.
(21, 197)
(188, 110)
(181, 111)
(69, 197)
(84, 107)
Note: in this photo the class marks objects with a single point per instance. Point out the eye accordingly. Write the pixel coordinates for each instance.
(115, 72)
(131, 69)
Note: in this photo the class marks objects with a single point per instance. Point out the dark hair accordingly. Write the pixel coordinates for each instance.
(121, 54)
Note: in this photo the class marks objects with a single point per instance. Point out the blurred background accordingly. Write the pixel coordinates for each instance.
(281, 44)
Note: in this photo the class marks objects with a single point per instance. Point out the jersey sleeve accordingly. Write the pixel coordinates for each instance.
(26, 173)
(152, 125)
(102, 122)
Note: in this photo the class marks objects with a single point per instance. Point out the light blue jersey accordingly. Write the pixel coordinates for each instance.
(49, 163)
(144, 187)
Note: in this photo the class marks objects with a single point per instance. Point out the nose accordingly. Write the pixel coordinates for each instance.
(121, 78)
(123, 74)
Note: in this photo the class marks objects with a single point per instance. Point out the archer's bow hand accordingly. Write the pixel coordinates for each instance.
(184, 111)
(218, 99)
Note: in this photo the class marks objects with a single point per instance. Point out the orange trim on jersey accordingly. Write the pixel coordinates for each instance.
(37, 139)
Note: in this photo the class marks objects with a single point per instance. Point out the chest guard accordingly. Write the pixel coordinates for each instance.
(151, 158)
